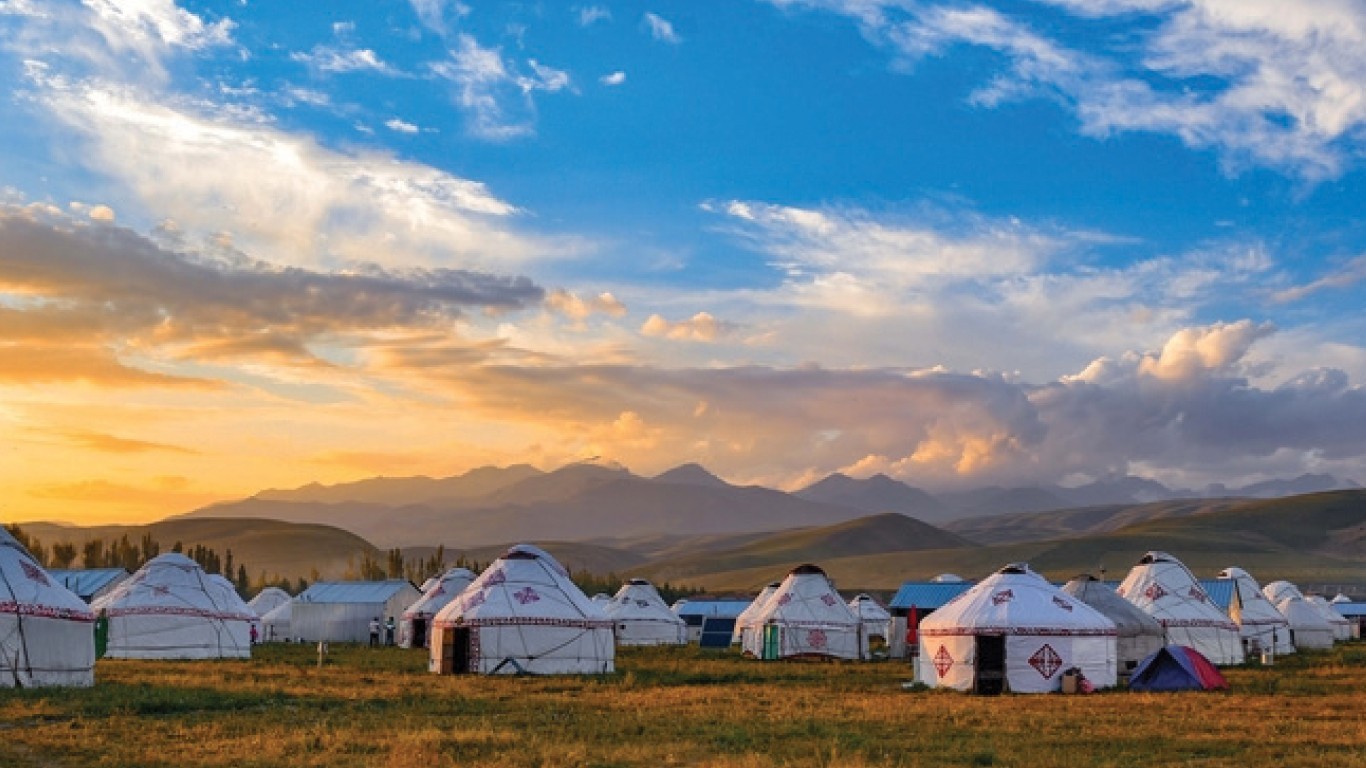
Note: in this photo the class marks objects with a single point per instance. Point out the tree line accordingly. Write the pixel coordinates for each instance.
(131, 555)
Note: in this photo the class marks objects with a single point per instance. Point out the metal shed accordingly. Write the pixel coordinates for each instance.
(341, 611)
(89, 583)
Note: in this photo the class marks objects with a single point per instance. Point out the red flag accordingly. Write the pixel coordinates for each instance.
(912, 627)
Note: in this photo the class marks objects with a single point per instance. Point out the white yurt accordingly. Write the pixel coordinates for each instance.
(641, 617)
(1261, 626)
(416, 620)
(1308, 629)
(275, 625)
(47, 633)
(522, 616)
(1342, 626)
(805, 617)
(172, 609)
(1138, 633)
(1014, 631)
(745, 621)
(1162, 587)
(877, 621)
(947, 578)
(268, 600)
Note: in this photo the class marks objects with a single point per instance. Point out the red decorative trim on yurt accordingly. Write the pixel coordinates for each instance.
(512, 621)
(1061, 603)
(1154, 592)
(816, 638)
(1017, 631)
(1046, 661)
(526, 595)
(1217, 624)
(1004, 596)
(171, 610)
(45, 611)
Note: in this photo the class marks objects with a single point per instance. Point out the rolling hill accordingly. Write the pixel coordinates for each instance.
(270, 546)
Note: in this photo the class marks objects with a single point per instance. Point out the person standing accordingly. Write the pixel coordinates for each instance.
(374, 631)
(389, 631)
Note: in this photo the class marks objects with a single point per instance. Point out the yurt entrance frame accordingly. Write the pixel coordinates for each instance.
(989, 664)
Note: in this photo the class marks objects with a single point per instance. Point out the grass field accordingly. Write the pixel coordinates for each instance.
(379, 707)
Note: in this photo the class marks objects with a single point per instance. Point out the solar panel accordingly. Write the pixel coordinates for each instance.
(716, 632)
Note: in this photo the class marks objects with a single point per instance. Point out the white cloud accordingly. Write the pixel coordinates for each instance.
(700, 327)
(591, 14)
(282, 196)
(613, 78)
(325, 58)
(1262, 83)
(576, 308)
(434, 13)
(399, 126)
(494, 93)
(661, 29)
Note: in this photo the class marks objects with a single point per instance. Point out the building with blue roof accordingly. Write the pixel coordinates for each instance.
(341, 611)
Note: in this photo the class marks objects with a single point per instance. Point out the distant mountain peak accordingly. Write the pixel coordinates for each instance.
(602, 462)
(878, 493)
(691, 474)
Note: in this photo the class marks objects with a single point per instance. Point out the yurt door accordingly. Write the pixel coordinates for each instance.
(419, 639)
(772, 640)
(991, 664)
(460, 654)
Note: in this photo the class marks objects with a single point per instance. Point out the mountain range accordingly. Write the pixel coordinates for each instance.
(604, 502)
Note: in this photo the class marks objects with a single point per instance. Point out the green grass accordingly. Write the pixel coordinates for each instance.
(665, 707)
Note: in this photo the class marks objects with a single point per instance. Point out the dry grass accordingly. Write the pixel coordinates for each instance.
(665, 708)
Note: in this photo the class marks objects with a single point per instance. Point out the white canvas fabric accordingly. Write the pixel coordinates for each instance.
(268, 600)
(641, 616)
(1277, 591)
(524, 615)
(46, 632)
(439, 593)
(1046, 633)
(1342, 626)
(745, 621)
(172, 609)
(1162, 586)
(275, 625)
(877, 621)
(1138, 633)
(1258, 620)
(809, 619)
(1308, 629)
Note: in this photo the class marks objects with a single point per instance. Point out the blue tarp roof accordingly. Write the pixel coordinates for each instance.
(353, 591)
(724, 608)
(1350, 610)
(1220, 592)
(927, 595)
(87, 581)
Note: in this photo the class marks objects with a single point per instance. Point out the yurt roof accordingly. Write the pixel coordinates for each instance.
(28, 589)
(867, 608)
(444, 589)
(1301, 614)
(1252, 605)
(1277, 591)
(806, 596)
(174, 581)
(1016, 600)
(525, 584)
(1163, 587)
(267, 599)
(947, 578)
(638, 600)
(1128, 619)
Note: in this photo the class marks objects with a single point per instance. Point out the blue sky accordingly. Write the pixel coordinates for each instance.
(956, 242)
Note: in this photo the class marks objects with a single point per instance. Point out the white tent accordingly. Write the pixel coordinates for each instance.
(46, 632)
(1015, 631)
(947, 578)
(641, 616)
(1339, 599)
(1259, 623)
(1162, 587)
(268, 600)
(172, 609)
(275, 625)
(745, 621)
(877, 621)
(1342, 626)
(1139, 633)
(417, 618)
(1308, 629)
(805, 616)
(1277, 591)
(522, 615)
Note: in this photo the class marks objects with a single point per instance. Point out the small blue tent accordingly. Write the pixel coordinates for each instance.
(1176, 668)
